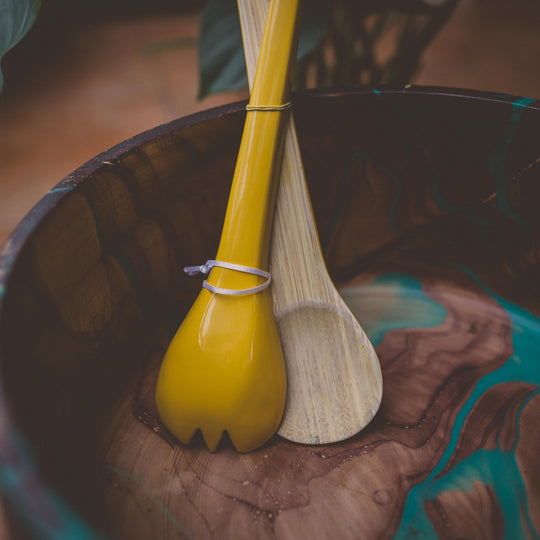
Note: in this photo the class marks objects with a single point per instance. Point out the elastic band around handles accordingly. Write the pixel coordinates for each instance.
(208, 265)
(282, 107)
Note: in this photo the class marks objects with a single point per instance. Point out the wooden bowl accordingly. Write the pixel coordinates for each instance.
(427, 205)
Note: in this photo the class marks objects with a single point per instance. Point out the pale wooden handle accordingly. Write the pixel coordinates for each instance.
(296, 261)
(252, 19)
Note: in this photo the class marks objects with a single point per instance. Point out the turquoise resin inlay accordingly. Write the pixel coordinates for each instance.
(406, 306)
(392, 302)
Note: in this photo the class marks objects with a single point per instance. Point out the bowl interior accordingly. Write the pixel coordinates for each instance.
(426, 203)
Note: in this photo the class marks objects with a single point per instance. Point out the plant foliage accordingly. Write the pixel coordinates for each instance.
(221, 55)
(342, 42)
(16, 18)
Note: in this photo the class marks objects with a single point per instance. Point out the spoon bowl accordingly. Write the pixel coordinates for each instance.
(336, 410)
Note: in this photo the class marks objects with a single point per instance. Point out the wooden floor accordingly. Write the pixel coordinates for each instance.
(76, 90)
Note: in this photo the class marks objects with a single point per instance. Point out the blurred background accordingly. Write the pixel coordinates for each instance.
(91, 74)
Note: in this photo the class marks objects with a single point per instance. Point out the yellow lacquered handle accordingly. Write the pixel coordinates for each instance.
(224, 368)
(246, 231)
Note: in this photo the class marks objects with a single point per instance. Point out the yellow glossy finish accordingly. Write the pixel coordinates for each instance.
(224, 369)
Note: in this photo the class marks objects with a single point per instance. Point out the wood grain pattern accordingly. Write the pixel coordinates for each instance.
(444, 185)
(334, 383)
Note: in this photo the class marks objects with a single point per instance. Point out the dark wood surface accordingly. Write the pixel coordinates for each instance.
(426, 205)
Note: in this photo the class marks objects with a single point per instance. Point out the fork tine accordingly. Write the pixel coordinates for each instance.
(212, 436)
(248, 439)
(185, 434)
(182, 428)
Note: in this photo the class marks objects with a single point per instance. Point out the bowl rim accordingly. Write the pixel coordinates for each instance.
(23, 230)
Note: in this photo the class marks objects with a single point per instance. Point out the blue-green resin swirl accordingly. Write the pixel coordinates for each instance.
(392, 302)
(495, 468)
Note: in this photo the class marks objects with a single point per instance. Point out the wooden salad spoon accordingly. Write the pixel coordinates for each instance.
(333, 373)
(224, 370)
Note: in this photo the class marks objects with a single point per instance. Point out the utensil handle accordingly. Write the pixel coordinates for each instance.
(296, 261)
(246, 231)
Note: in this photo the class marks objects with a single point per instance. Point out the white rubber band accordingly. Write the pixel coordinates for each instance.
(208, 265)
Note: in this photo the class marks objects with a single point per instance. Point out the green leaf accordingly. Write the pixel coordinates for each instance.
(316, 19)
(16, 18)
(221, 55)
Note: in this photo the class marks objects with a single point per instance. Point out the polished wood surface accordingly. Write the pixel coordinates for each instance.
(426, 206)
